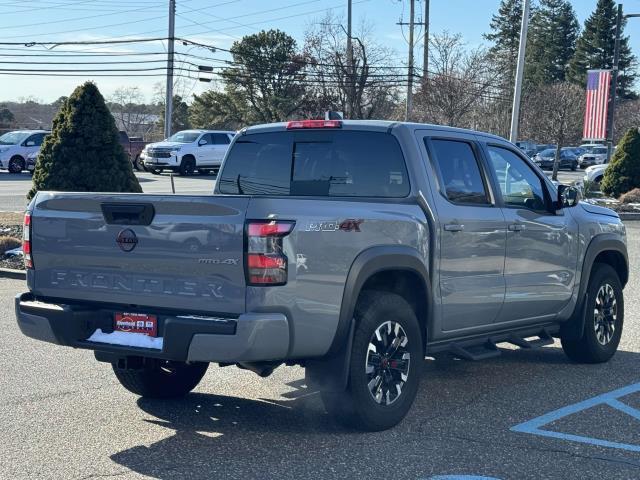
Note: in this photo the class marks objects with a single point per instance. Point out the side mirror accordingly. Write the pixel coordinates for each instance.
(30, 143)
(202, 142)
(567, 196)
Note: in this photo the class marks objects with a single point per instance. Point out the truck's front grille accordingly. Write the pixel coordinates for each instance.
(159, 153)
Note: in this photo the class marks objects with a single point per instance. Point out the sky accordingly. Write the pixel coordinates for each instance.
(212, 22)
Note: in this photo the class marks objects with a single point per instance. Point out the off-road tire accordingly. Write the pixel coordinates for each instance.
(162, 379)
(356, 406)
(588, 349)
(16, 164)
(187, 166)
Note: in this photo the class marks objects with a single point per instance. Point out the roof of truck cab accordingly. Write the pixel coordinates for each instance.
(373, 125)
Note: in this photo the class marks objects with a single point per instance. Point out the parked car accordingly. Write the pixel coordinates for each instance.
(546, 158)
(528, 147)
(16, 146)
(595, 173)
(402, 259)
(133, 146)
(594, 156)
(544, 146)
(187, 151)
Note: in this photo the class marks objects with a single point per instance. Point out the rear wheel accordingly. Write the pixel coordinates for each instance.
(603, 321)
(16, 164)
(187, 166)
(162, 378)
(137, 163)
(386, 364)
(204, 172)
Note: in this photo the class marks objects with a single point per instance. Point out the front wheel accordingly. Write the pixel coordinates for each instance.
(574, 166)
(16, 164)
(386, 364)
(162, 378)
(603, 321)
(187, 166)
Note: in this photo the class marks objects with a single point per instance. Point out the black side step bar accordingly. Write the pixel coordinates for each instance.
(489, 349)
(544, 338)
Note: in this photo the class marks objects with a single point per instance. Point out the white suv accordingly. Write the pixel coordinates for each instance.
(187, 151)
(16, 146)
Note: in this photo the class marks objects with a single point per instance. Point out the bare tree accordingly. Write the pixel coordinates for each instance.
(128, 107)
(367, 89)
(554, 113)
(627, 116)
(459, 86)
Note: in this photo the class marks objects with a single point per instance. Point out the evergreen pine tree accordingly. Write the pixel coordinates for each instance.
(83, 152)
(623, 174)
(505, 35)
(595, 49)
(552, 42)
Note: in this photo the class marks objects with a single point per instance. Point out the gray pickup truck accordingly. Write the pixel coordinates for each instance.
(351, 248)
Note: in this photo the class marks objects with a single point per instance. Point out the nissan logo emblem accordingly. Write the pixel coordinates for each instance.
(127, 240)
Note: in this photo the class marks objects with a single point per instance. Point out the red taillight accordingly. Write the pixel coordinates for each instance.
(296, 124)
(266, 261)
(26, 241)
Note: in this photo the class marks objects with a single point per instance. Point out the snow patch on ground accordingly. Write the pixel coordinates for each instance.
(125, 338)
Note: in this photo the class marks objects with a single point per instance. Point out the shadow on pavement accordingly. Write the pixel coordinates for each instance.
(463, 413)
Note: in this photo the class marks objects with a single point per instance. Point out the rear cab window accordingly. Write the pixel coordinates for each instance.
(336, 163)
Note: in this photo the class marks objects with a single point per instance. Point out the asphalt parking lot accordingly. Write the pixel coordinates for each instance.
(524, 415)
(14, 187)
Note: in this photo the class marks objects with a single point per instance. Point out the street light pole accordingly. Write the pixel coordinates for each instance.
(350, 72)
(614, 79)
(409, 106)
(515, 111)
(168, 104)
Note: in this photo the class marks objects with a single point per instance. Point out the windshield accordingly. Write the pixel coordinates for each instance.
(550, 152)
(599, 151)
(13, 138)
(184, 137)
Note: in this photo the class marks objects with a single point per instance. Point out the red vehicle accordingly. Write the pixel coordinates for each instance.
(133, 146)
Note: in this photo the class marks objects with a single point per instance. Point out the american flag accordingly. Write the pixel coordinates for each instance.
(595, 115)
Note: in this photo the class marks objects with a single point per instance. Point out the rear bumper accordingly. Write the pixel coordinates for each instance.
(249, 338)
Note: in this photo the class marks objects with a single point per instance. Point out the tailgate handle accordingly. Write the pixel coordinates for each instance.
(128, 213)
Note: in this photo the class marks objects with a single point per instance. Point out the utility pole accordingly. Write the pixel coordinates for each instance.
(350, 71)
(409, 109)
(168, 104)
(614, 79)
(515, 111)
(425, 59)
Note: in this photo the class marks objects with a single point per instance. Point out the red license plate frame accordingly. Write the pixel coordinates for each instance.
(134, 322)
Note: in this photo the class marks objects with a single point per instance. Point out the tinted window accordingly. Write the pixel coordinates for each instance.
(258, 165)
(37, 139)
(220, 139)
(459, 172)
(519, 185)
(321, 163)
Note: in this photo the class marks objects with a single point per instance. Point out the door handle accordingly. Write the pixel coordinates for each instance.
(517, 227)
(453, 227)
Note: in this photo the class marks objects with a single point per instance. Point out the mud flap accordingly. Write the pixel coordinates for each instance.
(573, 329)
(331, 374)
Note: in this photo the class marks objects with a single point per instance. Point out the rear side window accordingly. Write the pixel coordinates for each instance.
(459, 172)
(336, 163)
(220, 139)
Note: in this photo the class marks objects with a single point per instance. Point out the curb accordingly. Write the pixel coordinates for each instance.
(12, 273)
(629, 216)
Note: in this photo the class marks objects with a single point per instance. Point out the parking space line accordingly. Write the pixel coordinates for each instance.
(535, 425)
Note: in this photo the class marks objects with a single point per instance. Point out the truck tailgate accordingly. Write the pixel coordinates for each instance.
(168, 251)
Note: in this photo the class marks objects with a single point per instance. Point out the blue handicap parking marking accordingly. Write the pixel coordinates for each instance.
(611, 399)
